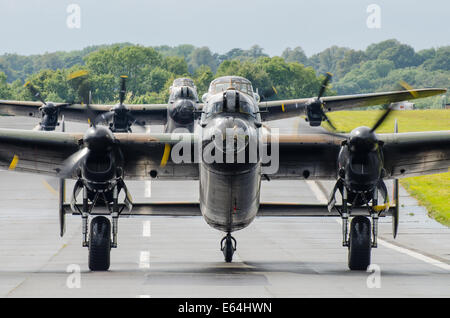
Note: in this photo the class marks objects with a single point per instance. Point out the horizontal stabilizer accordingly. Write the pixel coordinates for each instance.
(193, 209)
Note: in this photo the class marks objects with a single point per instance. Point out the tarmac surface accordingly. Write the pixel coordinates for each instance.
(180, 256)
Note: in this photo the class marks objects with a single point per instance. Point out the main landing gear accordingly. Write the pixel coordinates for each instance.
(102, 236)
(363, 232)
(228, 247)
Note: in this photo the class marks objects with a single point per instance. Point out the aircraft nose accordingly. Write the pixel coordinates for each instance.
(230, 136)
(183, 111)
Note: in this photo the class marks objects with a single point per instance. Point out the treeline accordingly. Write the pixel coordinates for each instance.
(151, 70)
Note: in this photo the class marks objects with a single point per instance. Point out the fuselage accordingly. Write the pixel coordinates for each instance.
(182, 104)
(230, 169)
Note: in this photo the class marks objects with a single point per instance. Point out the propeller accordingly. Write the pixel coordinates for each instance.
(74, 161)
(316, 106)
(49, 111)
(36, 94)
(120, 114)
(96, 139)
(356, 131)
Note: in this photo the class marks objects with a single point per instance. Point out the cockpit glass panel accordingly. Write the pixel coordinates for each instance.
(215, 109)
(245, 108)
(238, 84)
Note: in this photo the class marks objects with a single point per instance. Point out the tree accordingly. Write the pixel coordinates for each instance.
(5, 92)
(202, 78)
(440, 61)
(402, 55)
(374, 50)
(295, 55)
(176, 65)
(326, 61)
(202, 56)
(350, 60)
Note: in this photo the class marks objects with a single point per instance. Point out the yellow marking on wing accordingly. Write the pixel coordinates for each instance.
(165, 155)
(282, 108)
(49, 187)
(14, 162)
(409, 88)
(77, 74)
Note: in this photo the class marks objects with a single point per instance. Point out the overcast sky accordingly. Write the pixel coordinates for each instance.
(37, 26)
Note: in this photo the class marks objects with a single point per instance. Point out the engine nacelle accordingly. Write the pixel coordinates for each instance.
(314, 113)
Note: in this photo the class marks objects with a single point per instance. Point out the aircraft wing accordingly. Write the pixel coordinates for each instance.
(416, 153)
(274, 110)
(314, 156)
(151, 114)
(311, 156)
(44, 152)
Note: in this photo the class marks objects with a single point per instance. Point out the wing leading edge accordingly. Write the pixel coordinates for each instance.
(151, 114)
(274, 110)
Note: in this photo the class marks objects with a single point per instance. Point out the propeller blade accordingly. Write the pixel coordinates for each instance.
(134, 121)
(123, 88)
(35, 92)
(324, 85)
(71, 163)
(92, 116)
(328, 120)
(382, 118)
(79, 81)
(334, 134)
(105, 117)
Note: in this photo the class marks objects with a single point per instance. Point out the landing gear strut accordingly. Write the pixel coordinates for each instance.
(363, 233)
(228, 247)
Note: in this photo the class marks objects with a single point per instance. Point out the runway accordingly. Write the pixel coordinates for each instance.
(180, 256)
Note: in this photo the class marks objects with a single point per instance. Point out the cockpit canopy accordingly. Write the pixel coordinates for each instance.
(178, 82)
(183, 88)
(238, 83)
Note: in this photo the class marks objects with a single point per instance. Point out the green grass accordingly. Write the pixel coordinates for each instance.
(412, 120)
(431, 191)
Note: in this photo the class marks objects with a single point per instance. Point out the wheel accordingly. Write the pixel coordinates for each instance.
(99, 244)
(228, 252)
(228, 248)
(360, 244)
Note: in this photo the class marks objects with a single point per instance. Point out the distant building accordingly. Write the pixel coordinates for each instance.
(403, 106)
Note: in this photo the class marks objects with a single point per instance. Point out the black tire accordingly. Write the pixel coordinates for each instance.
(228, 250)
(228, 253)
(99, 244)
(360, 245)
